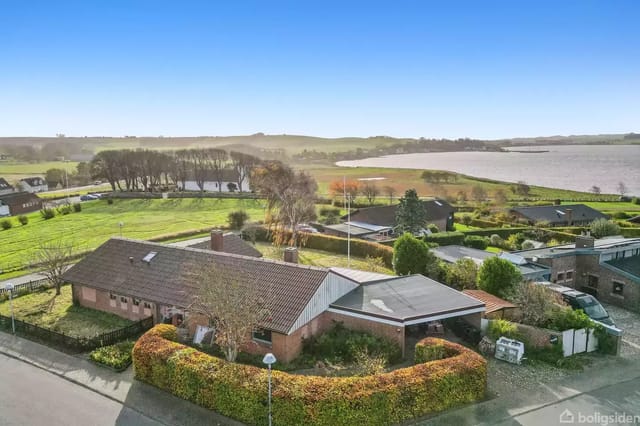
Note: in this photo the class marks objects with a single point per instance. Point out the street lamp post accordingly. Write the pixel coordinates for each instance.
(120, 224)
(9, 288)
(269, 359)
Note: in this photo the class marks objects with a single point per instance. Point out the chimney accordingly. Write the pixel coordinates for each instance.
(217, 240)
(585, 241)
(291, 255)
(569, 213)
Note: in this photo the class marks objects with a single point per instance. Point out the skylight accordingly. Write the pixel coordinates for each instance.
(438, 203)
(149, 256)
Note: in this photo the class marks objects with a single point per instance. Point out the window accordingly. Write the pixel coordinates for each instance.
(560, 276)
(112, 296)
(123, 299)
(262, 336)
(136, 302)
(147, 305)
(618, 288)
(569, 275)
(592, 281)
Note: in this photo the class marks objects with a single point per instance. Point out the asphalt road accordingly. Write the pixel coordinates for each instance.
(31, 396)
(617, 404)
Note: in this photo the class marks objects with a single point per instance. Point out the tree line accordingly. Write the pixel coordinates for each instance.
(148, 170)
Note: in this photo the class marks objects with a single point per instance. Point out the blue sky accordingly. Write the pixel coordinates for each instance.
(484, 69)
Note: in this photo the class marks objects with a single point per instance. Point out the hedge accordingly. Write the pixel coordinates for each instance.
(445, 238)
(240, 391)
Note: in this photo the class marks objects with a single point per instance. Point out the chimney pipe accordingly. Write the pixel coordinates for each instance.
(217, 240)
(291, 255)
(569, 213)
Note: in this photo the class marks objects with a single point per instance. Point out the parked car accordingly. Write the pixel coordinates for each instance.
(89, 197)
(579, 300)
(303, 227)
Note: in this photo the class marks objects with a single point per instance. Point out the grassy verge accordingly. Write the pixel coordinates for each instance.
(58, 313)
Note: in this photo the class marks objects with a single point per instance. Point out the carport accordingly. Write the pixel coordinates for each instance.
(388, 307)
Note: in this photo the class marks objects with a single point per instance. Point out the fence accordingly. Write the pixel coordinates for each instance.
(76, 344)
(27, 287)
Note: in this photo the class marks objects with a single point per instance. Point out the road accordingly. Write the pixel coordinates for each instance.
(31, 396)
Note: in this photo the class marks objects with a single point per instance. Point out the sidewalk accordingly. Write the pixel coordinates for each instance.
(121, 387)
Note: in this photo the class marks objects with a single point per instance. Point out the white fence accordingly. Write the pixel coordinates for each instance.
(578, 341)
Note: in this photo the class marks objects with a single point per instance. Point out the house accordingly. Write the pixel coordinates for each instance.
(635, 219)
(557, 215)
(19, 203)
(33, 184)
(378, 222)
(530, 271)
(226, 242)
(608, 268)
(136, 279)
(5, 187)
(229, 176)
(496, 308)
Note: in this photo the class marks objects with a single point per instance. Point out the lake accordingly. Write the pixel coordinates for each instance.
(576, 167)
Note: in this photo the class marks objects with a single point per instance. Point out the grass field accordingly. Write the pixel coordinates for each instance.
(322, 258)
(58, 313)
(617, 206)
(14, 171)
(402, 179)
(98, 221)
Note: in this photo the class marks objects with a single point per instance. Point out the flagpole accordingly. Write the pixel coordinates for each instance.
(348, 205)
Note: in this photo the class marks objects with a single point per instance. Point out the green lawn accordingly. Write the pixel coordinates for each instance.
(98, 221)
(322, 258)
(59, 314)
(461, 227)
(613, 206)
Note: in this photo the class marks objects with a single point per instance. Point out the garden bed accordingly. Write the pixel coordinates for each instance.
(115, 357)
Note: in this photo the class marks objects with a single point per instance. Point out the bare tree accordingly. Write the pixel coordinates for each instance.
(290, 197)
(389, 191)
(217, 159)
(596, 190)
(478, 193)
(54, 256)
(235, 304)
(243, 164)
(621, 188)
(370, 191)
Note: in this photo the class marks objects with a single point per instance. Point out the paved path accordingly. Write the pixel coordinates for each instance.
(32, 396)
(23, 279)
(119, 387)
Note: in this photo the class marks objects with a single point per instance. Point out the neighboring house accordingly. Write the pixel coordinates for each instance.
(496, 308)
(19, 203)
(608, 268)
(229, 176)
(530, 271)
(136, 279)
(225, 242)
(555, 215)
(33, 184)
(635, 219)
(378, 222)
(5, 187)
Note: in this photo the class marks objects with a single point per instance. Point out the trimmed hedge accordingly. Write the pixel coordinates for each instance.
(240, 391)
(445, 238)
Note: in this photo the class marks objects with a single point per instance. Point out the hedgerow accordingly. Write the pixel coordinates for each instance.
(239, 391)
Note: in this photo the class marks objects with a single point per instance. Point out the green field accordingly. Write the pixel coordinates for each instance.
(98, 221)
(58, 313)
(618, 206)
(13, 171)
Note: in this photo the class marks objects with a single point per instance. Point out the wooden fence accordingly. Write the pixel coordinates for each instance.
(27, 287)
(73, 343)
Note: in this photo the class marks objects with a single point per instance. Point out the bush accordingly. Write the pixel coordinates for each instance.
(635, 200)
(446, 238)
(567, 318)
(498, 276)
(476, 241)
(239, 391)
(329, 211)
(237, 219)
(64, 209)
(537, 303)
(603, 228)
(6, 224)
(47, 213)
(495, 240)
(427, 351)
(77, 207)
(116, 356)
(340, 344)
(499, 328)
(23, 219)
(433, 228)
(109, 201)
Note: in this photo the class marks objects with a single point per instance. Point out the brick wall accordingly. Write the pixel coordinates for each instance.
(101, 300)
(391, 332)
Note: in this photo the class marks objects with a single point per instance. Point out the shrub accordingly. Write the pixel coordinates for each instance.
(64, 209)
(445, 238)
(109, 201)
(476, 241)
(603, 228)
(635, 200)
(498, 276)
(116, 356)
(47, 213)
(567, 318)
(427, 351)
(23, 219)
(239, 391)
(495, 240)
(329, 211)
(433, 228)
(499, 328)
(6, 224)
(77, 207)
(537, 303)
(237, 219)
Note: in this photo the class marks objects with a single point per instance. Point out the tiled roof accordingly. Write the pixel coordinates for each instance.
(18, 198)
(558, 214)
(493, 303)
(232, 243)
(386, 215)
(4, 184)
(167, 280)
(33, 181)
